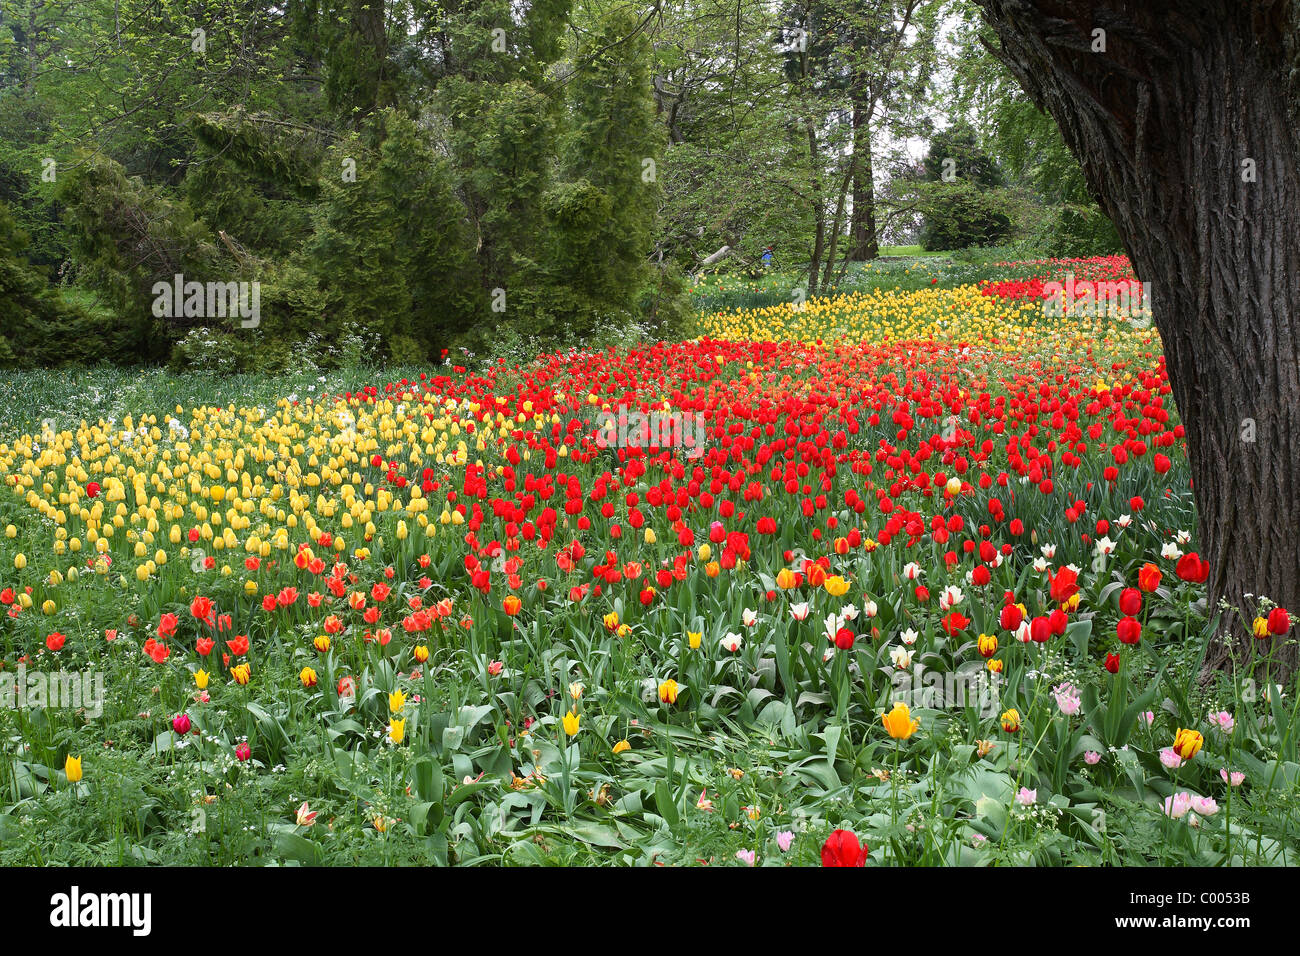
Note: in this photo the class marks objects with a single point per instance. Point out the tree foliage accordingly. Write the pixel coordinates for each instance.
(438, 173)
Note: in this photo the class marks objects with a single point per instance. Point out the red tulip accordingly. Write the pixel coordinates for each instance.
(1192, 568)
(843, 849)
(201, 608)
(1279, 621)
(1040, 629)
(1129, 630)
(1149, 577)
(954, 622)
(1065, 584)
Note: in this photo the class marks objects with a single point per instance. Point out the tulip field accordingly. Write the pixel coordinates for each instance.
(900, 576)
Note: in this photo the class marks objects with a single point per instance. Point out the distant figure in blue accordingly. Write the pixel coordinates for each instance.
(767, 257)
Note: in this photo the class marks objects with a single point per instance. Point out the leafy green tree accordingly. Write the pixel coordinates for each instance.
(733, 171)
(122, 79)
(959, 199)
(127, 237)
(40, 329)
(1027, 144)
(602, 216)
(955, 153)
(391, 253)
(959, 214)
(251, 178)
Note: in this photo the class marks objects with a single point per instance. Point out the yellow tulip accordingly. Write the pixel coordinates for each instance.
(836, 586)
(397, 730)
(1188, 743)
(72, 768)
(571, 721)
(396, 700)
(899, 722)
(201, 679)
(621, 746)
(668, 691)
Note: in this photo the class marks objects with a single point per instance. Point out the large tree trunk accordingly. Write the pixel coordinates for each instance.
(862, 231)
(1186, 128)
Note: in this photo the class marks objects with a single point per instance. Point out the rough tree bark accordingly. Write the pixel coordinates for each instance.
(862, 232)
(1188, 132)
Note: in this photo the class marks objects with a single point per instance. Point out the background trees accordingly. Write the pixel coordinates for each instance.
(433, 175)
(959, 193)
(422, 173)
